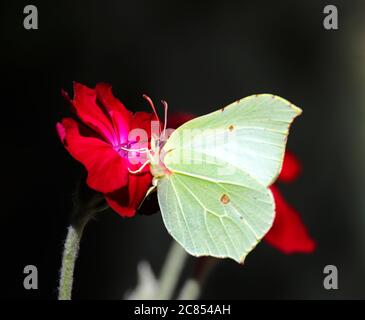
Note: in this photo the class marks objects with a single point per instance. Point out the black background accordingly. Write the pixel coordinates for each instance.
(197, 55)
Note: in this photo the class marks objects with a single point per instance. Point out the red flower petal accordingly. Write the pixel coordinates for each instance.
(143, 120)
(107, 170)
(288, 233)
(291, 168)
(126, 201)
(118, 113)
(91, 114)
(176, 119)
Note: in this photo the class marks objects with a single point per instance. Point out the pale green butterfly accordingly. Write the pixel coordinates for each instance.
(212, 175)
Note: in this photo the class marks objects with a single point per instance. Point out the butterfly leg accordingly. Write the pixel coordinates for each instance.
(140, 168)
(140, 150)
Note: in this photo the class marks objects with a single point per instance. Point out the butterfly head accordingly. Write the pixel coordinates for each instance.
(158, 139)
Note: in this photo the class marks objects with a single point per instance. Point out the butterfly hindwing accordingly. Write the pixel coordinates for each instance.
(215, 218)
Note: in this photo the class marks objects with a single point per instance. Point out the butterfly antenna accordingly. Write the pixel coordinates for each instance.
(152, 105)
(166, 107)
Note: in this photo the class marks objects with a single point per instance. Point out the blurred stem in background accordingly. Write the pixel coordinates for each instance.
(171, 271)
(192, 288)
(148, 287)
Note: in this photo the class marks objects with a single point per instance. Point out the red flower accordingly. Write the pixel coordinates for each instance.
(99, 141)
(288, 233)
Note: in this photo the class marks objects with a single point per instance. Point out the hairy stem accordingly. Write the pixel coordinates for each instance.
(86, 203)
(171, 271)
(71, 249)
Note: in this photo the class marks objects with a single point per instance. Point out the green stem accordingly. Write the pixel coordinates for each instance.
(171, 271)
(72, 245)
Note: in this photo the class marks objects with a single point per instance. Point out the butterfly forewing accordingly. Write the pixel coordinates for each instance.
(249, 134)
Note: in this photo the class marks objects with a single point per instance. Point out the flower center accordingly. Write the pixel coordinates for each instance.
(126, 149)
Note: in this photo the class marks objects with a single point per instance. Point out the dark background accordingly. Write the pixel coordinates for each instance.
(198, 55)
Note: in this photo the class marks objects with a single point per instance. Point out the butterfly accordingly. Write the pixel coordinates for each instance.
(213, 174)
